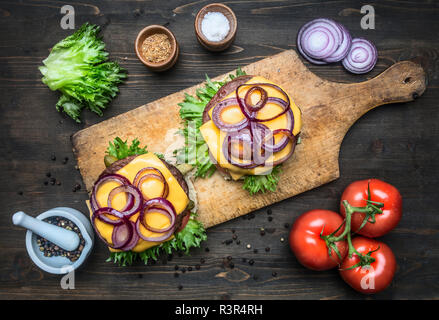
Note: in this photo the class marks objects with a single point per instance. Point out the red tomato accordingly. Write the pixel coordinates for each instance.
(381, 271)
(380, 191)
(305, 241)
(184, 222)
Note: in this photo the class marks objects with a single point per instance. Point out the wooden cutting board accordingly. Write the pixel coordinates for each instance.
(329, 109)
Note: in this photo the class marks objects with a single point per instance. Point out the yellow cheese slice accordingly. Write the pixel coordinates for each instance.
(152, 187)
(215, 137)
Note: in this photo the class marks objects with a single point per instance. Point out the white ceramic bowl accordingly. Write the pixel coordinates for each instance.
(58, 264)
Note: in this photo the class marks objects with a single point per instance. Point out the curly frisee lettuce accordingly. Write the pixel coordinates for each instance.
(190, 237)
(78, 68)
(196, 151)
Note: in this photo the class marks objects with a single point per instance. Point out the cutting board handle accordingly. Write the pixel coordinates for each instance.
(402, 82)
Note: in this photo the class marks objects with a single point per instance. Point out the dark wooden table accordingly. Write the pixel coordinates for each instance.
(397, 143)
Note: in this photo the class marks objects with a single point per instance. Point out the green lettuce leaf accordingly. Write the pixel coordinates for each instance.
(77, 67)
(120, 149)
(262, 183)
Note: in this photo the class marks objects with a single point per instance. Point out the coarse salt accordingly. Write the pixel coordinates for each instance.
(215, 26)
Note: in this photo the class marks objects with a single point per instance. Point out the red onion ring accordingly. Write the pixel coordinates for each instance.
(134, 239)
(252, 116)
(161, 178)
(122, 235)
(362, 56)
(344, 47)
(292, 138)
(141, 171)
(285, 107)
(265, 137)
(161, 206)
(110, 177)
(162, 212)
(260, 104)
(243, 137)
(217, 116)
(251, 157)
(320, 38)
(161, 238)
(102, 213)
(136, 194)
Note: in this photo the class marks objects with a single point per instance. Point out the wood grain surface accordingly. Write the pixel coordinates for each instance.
(328, 111)
(397, 143)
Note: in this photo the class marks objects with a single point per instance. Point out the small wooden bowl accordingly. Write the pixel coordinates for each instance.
(228, 40)
(148, 31)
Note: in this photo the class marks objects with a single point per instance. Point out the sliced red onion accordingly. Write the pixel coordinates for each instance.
(362, 56)
(160, 238)
(265, 137)
(251, 115)
(291, 138)
(217, 116)
(142, 171)
(244, 159)
(284, 104)
(312, 60)
(321, 38)
(110, 177)
(161, 178)
(122, 235)
(134, 239)
(161, 206)
(243, 140)
(260, 104)
(344, 47)
(102, 214)
(137, 198)
(161, 211)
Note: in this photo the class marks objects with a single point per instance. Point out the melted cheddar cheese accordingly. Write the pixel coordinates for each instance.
(214, 137)
(150, 188)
